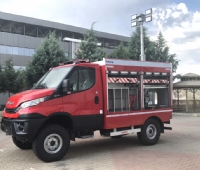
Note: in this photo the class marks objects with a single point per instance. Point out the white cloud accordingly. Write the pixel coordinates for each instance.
(162, 15)
(183, 8)
(169, 11)
(176, 14)
(181, 29)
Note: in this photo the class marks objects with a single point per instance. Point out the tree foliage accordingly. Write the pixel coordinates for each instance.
(88, 48)
(177, 76)
(48, 55)
(162, 52)
(120, 52)
(12, 80)
(134, 47)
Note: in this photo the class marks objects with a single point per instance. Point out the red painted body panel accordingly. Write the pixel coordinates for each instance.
(134, 118)
(45, 108)
(28, 95)
(83, 103)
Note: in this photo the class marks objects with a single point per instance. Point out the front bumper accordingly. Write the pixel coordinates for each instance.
(22, 128)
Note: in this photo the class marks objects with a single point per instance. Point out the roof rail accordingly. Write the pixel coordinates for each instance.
(81, 61)
(77, 61)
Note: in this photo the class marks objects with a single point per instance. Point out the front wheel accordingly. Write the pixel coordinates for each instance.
(52, 143)
(150, 132)
(22, 144)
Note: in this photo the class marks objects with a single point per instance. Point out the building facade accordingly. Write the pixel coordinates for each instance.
(20, 36)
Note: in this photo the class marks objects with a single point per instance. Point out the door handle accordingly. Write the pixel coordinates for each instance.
(96, 99)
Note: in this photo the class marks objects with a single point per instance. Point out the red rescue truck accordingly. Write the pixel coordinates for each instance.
(116, 97)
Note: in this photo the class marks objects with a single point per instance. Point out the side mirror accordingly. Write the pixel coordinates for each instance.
(66, 85)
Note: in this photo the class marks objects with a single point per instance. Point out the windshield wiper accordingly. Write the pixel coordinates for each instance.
(41, 86)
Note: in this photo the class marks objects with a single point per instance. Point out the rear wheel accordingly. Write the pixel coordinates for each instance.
(150, 132)
(52, 143)
(22, 144)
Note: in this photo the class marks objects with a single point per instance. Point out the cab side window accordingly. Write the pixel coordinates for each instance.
(82, 79)
(86, 78)
(74, 81)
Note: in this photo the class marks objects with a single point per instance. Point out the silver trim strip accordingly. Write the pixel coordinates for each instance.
(138, 113)
(125, 132)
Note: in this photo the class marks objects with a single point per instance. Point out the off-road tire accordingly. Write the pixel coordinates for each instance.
(150, 132)
(22, 145)
(52, 132)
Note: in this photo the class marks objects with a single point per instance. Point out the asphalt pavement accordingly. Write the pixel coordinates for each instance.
(178, 149)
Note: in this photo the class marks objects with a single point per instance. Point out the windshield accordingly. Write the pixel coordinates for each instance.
(52, 78)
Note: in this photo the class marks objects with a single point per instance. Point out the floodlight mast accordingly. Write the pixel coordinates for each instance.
(137, 20)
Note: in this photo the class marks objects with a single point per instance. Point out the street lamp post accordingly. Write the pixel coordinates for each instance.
(138, 20)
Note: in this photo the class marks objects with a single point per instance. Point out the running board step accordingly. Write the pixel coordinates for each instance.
(125, 132)
(168, 128)
(86, 136)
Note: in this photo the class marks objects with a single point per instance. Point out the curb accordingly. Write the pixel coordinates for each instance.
(186, 114)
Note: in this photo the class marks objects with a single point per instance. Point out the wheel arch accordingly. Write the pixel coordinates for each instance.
(159, 121)
(63, 119)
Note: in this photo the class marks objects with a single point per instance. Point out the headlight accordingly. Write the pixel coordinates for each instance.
(33, 102)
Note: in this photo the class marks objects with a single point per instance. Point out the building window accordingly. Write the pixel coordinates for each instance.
(15, 50)
(19, 67)
(21, 51)
(27, 52)
(8, 50)
(32, 52)
(3, 49)
(66, 54)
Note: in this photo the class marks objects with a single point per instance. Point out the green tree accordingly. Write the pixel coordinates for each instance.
(177, 76)
(120, 52)
(134, 48)
(1, 80)
(12, 80)
(88, 48)
(154, 50)
(162, 53)
(48, 55)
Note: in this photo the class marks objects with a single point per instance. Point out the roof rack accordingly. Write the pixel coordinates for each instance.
(77, 61)
(81, 61)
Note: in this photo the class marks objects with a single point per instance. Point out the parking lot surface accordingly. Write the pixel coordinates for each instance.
(178, 149)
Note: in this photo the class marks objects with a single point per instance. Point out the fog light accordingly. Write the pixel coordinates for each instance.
(19, 126)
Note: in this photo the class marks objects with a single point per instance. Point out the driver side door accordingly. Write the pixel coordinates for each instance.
(81, 103)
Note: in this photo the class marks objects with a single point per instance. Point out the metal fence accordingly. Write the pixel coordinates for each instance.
(180, 106)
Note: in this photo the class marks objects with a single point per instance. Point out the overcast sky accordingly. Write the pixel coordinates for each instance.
(179, 20)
